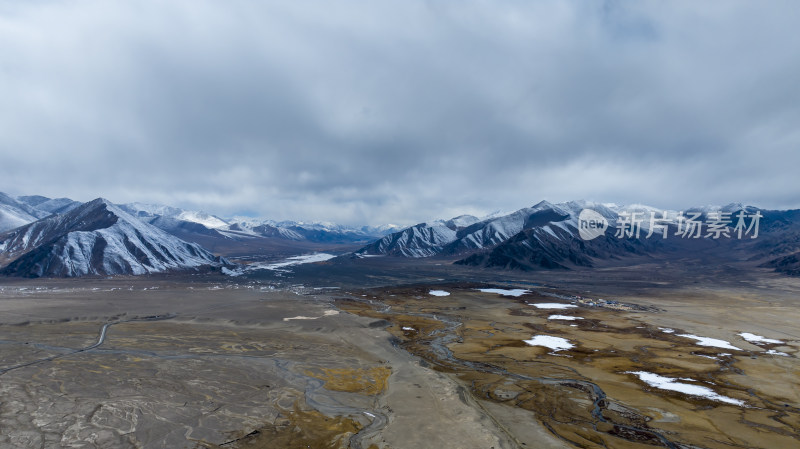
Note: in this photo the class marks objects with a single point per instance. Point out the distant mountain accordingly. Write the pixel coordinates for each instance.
(96, 238)
(200, 226)
(260, 229)
(15, 212)
(11, 215)
(50, 205)
(150, 212)
(325, 232)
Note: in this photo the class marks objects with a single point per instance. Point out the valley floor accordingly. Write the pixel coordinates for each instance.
(223, 366)
(632, 357)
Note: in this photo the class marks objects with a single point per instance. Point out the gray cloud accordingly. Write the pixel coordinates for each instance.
(400, 111)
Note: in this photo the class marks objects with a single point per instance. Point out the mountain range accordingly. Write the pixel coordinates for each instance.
(40, 236)
(547, 236)
(179, 221)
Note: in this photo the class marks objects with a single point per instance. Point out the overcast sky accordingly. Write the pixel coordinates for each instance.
(400, 111)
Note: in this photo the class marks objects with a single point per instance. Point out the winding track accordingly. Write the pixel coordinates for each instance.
(100, 340)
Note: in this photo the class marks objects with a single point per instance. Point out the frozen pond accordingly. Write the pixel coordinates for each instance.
(296, 260)
(280, 266)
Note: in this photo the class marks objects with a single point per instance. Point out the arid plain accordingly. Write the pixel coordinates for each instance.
(638, 356)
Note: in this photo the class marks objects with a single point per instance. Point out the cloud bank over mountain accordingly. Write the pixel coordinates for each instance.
(400, 111)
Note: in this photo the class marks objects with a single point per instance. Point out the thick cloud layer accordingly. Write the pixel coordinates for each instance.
(400, 111)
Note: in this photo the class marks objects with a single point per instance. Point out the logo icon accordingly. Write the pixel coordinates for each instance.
(591, 224)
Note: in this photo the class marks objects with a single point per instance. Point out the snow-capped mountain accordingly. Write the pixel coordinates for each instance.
(15, 212)
(319, 232)
(194, 225)
(331, 227)
(49, 205)
(466, 233)
(422, 240)
(148, 212)
(40, 236)
(144, 210)
(258, 228)
(96, 238)
(12, 217)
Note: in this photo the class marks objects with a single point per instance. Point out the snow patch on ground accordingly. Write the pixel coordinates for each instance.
(564, 317)
(753, 338)
(774, 352)
(711, 342)
(439, 293)
(300, 317)
(501, 291)
(552, 305)
(554, 343)
(668, 383)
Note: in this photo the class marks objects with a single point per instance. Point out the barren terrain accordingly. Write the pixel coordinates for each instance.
(640, 356)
